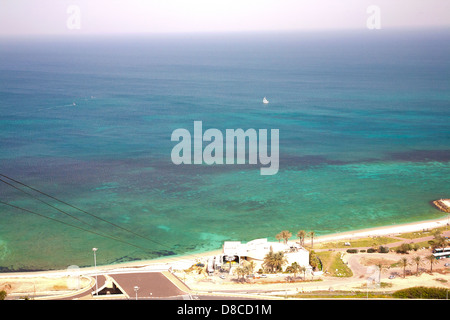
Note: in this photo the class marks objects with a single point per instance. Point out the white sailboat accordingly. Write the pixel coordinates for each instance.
(265, 101)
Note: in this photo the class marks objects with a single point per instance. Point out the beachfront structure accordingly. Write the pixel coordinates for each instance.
(235, 252)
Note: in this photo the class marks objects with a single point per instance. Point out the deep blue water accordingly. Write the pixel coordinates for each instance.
(364, 138)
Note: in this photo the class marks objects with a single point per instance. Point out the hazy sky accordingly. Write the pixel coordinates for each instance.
(154, 16)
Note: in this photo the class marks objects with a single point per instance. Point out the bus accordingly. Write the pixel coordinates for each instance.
(441, 253)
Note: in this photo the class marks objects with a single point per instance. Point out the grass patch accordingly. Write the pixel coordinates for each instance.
(342, 295)
(382, 284)
(357, 243)
(421, 293)
(421, 234)
(332, 263)
(440, 280)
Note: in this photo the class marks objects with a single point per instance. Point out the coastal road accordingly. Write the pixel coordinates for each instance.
(88, 292)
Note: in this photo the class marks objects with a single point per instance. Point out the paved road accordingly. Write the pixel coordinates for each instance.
(88, 292)
(151, 285)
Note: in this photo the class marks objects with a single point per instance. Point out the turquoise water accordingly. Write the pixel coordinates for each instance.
(364, 139)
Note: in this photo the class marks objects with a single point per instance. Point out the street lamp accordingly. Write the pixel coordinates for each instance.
(95, 267)
(136, 288)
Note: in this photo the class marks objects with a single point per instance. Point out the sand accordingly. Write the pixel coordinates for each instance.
(52, 281)
(193, 258)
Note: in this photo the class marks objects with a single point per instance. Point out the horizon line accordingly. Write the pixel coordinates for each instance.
(78, 33)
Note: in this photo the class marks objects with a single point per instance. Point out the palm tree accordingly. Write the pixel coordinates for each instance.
(301, 237)
(279, 236)
(303, 269)
(432, 261)
(251, 266)
(380, 268)
(439, 241)
(404, 263)
(418, 261)
(295, 268)
(240, 271)
(274, 261)
(311, 234)
(279, 260)
(269, 261)
(285, 235)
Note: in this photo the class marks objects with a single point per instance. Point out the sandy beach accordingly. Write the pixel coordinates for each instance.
(55, 283)
(350, 235)
(386, 230)
(184, 261)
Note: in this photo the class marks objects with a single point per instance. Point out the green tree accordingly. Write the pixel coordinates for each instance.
(251, 266)
(269, 259)
(432, 261)
(381, 267)
(285, 235)
(240, 271)
(301, 237)
(314, 261)
(311, 234)
(274, 261)
(439, 241)
(3, 295)
(295, 268)
(418, 261)
(303, 269)
(404, 248)
(279, 236)
(279, 260)
(404, 263)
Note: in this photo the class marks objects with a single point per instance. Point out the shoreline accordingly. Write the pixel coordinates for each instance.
(186, 259)
(386, 230)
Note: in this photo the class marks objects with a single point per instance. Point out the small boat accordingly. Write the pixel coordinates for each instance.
(265, 101)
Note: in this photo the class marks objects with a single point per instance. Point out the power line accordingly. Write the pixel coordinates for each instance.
(81, 210)
(48, 204)
(69, 224)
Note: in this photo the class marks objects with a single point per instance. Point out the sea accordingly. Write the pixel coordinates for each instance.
(86, 124)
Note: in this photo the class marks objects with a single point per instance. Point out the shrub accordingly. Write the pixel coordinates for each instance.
(383, 249)
(352, 250)
(314, 261)
(3, 295)
(371, 250)
(404, 248)
(421, 293)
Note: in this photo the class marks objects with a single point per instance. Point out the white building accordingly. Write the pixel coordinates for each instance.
(234, 252)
